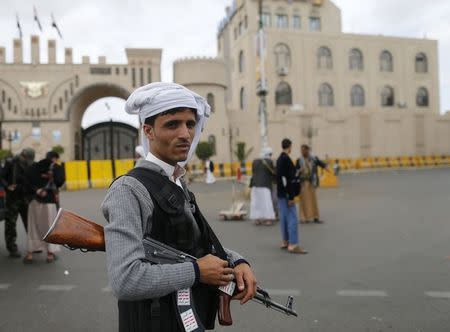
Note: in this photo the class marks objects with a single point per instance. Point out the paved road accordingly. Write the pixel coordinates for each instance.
(380, 263)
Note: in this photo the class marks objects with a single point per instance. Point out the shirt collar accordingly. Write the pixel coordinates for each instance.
(173, 172)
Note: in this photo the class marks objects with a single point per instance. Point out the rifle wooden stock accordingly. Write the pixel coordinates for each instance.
(76, 232)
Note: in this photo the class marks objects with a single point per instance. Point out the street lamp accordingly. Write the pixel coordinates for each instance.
(261, 87)
(10, 136)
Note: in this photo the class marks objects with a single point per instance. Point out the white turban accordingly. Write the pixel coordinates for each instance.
(155, 98)
(266, 152)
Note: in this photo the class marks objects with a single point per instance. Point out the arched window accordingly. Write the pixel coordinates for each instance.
(241, 62)
(242, 100)
(387, 96)
(386, 61)
(324, 58)
(283, 94)
(211, 102)
(357, 96)
(422, 98)
(282, 56)
(326, 95)
(212, 141)
(421, 63)
(356, 60)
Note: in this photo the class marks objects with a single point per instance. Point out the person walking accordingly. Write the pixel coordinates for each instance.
(307, 167)
(44, 180)
(261, 203)
(286, 191)
(13, 179)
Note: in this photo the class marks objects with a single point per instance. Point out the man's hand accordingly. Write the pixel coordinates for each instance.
(12, 187)
(41, 192)
(246, 283)
(291, 203)
(214, 271)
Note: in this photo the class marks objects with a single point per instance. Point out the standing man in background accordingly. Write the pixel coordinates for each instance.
(286, 191)
(13, 179)
(307, 166)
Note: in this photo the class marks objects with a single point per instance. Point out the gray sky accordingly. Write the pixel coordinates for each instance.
(188, 27)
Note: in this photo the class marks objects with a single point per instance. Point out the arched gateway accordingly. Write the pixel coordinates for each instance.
(41, 105)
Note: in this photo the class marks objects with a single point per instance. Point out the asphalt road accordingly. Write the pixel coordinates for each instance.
(379, 263)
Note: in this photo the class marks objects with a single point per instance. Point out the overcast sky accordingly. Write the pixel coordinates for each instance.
(188, 27)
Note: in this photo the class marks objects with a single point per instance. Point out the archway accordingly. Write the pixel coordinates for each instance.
(79, 104)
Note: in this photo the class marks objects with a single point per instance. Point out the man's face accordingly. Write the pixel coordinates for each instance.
(171, 136)
(305, 152)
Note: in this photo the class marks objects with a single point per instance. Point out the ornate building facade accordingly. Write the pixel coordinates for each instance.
(347, 95)
(42, 104)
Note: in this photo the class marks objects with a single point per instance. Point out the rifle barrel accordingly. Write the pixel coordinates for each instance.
(274, 305)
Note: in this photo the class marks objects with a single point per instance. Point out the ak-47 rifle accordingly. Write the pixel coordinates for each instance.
(75, 232)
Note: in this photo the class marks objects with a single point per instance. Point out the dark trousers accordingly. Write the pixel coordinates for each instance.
(14, 207)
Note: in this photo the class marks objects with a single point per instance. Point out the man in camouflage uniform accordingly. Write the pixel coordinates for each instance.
(17, 200)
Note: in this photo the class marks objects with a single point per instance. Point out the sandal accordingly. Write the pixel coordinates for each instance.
(258, 222)
(268, 223)
(51, 258)
(28, 259)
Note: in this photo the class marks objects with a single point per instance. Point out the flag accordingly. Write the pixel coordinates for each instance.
(55, 26)
(18, 26)
(36, 18)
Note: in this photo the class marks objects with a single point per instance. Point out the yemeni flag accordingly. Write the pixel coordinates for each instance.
(36, 18)
(54, 25)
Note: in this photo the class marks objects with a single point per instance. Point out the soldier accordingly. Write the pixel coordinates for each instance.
(153, 201)
(14, 180)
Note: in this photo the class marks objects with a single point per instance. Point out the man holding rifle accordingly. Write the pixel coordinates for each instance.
(153, 201)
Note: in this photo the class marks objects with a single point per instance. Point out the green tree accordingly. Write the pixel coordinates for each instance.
(4, 153)
(204, 151)
(241, 152)
(59, 149)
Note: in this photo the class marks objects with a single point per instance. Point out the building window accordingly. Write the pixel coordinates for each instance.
(66, 95)
(55, 109)
(60, 104)
(242, 101)
(324, 58)
(282, 21)
(357, 96)
(296, 22)
(246, 22)
(125, 71)
(241, 62)
(267, 20)
(212, 142)
(141, 75)
(71, 88)
(235, 33)
(387, 96)
(283, 94)
(9, 104)
(314, 24)
(77, 81)
(356, 60)
(282, 57)
(241, 28)
(3, 96)
(422, 98)
(211, 102)
(421, 63)
(133, 77)
(149, 75)
(386, 62)
(326, 95)
(117, 71)
(15, 109)
(38, 112)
